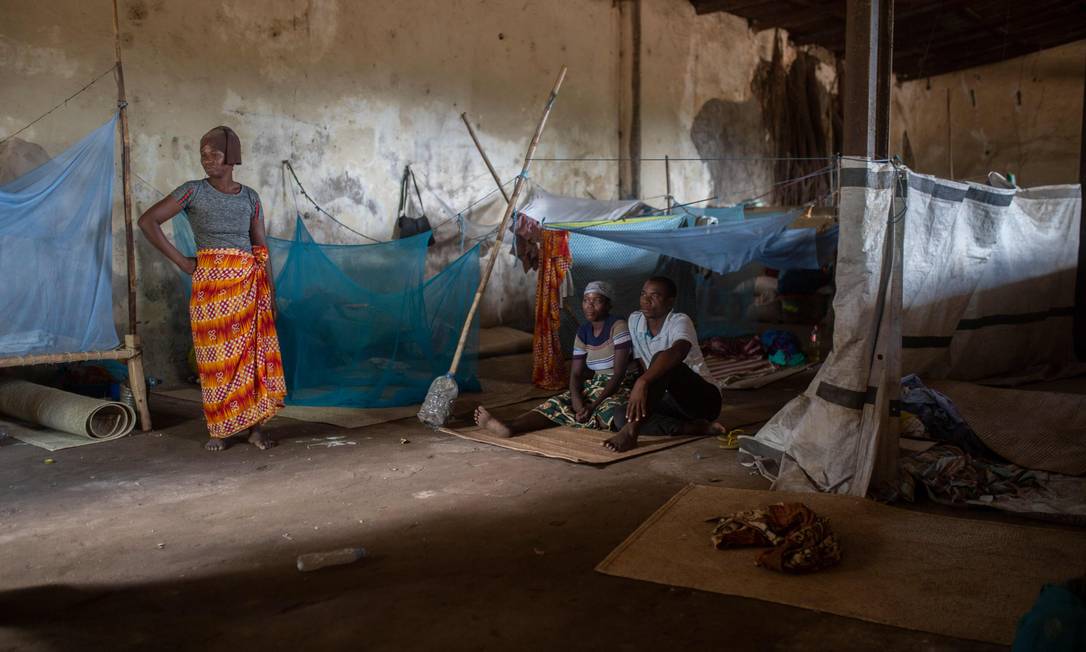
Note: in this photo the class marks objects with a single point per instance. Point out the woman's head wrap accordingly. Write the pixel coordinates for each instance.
(602, 288)
(226, 141)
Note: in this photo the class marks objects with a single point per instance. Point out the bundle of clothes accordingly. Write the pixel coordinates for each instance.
(800, 541)
(960, 470)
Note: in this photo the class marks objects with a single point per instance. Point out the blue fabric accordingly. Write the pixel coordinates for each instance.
(724, 248)
(1056, 623)
(359, 325)
(722, 214)
(56, 252)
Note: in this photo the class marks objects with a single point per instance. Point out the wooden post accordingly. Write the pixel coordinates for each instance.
(126, 176)
(868, 63)
(135, 364)
(861, 64)
(884, 75)
(949, 138)
(667, 181)
(1079, 324)
(635, 113)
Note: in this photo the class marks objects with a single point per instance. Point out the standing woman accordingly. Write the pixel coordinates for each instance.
(232, 308)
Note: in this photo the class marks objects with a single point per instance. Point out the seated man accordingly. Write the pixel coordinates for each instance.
(599, 380)
(676, 395)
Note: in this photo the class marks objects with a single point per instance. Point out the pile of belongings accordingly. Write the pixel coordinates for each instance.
(940, 419)
(801, 541)
(731, 359)
(957, 468)
(954, 477)
(783, 349)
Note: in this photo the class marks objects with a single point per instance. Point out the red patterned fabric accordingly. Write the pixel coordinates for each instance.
(548, 364)
(233, 331)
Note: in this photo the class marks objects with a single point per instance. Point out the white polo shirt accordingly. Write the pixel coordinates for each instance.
(677, 326)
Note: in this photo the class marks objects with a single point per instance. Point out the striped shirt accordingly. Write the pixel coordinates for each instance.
(598, 352)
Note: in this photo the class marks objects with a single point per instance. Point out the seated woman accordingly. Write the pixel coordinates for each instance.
(599, 382)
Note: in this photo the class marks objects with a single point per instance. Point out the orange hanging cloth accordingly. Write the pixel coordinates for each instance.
(548, 364)
(237, 349)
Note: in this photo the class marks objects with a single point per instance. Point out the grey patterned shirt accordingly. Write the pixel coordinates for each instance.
(219, 220)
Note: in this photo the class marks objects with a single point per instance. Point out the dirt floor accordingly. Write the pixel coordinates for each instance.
(152, 543)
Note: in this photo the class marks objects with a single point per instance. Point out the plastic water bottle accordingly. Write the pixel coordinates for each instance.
(317, 560)
(814, 349)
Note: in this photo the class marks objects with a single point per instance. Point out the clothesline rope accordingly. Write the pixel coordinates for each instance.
(703, 159)
(64, 102)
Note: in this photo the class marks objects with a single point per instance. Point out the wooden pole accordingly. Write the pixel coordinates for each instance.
(498, 181)
(635, 112)
(667, 181)
(136, 380)
(486, 159)
(505, 220)
(126, 177)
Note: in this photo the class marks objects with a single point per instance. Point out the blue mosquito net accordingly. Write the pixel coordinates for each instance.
(56, 252)
(735, 250)
(360, 325)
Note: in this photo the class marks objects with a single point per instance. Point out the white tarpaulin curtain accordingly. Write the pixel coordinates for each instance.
(956, 280)
(826, 438)
(989, 280)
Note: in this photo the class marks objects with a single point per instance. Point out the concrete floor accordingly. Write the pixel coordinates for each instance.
(151, 543)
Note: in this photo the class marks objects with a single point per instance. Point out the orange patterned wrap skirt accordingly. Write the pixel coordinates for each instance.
(233, 331)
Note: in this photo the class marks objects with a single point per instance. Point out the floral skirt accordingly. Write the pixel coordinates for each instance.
(559, 409)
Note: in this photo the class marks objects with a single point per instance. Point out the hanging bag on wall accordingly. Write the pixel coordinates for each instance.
(409, 226)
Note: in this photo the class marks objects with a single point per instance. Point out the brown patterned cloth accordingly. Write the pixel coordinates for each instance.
(801, 541)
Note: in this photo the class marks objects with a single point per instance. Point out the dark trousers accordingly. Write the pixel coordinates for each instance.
(680, 396)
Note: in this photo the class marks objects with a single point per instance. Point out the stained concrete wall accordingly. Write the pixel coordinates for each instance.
(351, 91)
(1023, 116)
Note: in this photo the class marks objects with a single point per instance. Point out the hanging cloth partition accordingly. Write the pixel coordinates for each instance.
(56, 252)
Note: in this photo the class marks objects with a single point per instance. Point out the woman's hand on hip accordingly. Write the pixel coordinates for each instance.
(189, 266)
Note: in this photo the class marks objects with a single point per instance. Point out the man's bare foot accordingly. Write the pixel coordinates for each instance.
(216, 445)
(623, 440)
(258, 438)
(717, 429)
(487, 421)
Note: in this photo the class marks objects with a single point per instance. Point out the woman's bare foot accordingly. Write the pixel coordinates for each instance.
(487, 421)
(624, 440)
(217, 445)
(260, 440)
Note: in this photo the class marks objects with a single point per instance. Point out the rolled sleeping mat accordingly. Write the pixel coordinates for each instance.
(71, 413)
